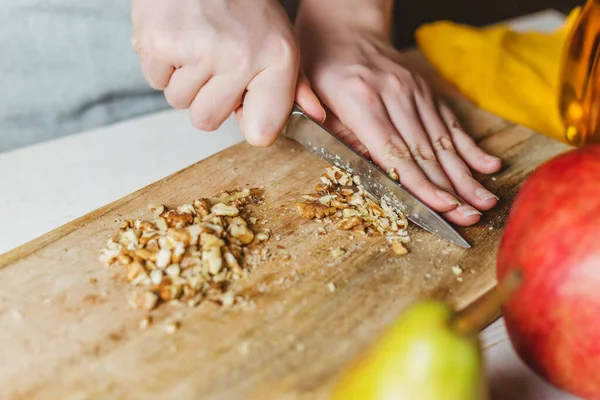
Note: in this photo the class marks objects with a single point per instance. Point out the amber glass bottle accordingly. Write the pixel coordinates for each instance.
(580, 79)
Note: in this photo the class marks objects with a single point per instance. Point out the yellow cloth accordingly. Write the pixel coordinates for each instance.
(513, 75)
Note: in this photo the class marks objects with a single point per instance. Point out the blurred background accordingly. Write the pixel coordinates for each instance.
(408, 15)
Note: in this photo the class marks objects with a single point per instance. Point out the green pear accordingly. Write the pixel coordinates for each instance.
(424, 355)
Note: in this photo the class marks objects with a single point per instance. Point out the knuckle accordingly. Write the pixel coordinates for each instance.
(395, 82)
(464, 177)
(395, 152)
(284, 50)
(443, 144)
(157, 46)
(242, 55)
(423, 154)
(360, 88)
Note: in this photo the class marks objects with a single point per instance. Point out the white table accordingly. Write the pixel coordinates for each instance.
(49, 184)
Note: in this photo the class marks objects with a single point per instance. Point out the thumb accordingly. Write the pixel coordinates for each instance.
(308, 100)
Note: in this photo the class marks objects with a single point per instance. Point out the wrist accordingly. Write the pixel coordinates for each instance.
(371, 15)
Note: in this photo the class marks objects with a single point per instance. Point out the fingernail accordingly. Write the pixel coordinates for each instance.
(448, 198)
(324, 115)
(491, 158)
(467, 211)
(484, 194)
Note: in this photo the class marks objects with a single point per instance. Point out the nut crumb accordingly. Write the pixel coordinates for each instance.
(427, 276)
(262, 236)
(145, 322)
(398, 248)
(338, 252)
(172, 327)
(331, 287)
(393, 174)
(457, 270)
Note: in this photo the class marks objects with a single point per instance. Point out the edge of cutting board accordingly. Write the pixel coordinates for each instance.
(50, 237)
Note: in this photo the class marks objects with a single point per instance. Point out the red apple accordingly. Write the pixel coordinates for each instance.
(553, 236)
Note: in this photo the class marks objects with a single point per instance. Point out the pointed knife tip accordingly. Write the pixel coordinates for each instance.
(463, 243)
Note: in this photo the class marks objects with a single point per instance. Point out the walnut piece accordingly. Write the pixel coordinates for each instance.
(393, 174)
(315, 210)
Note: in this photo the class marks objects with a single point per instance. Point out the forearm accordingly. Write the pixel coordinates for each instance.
(369, 14)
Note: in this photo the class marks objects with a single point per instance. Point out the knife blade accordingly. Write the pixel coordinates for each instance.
(317, 139)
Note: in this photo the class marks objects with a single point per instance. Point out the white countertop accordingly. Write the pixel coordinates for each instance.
(49, 184)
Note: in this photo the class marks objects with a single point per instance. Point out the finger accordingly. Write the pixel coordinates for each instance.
(465, 215)
(473, 155)
(156, 71)
(308, 100)
(453, 165)
(239, 114)
(335, 126)
(267, 105)
(362, 111)
(215, 101)
(184, 85)
(403, 112)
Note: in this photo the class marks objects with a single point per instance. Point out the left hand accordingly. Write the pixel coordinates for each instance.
(391, 114)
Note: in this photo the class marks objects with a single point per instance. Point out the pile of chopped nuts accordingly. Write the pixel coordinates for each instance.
(187, 254)
(341, 195)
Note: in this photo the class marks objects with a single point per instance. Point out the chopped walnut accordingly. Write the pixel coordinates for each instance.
(224, 209)
(393, 174)
(263, 236)
(143, 299)
(177, 220)
(315, 210)
(242, 233)
(188, 254)
(350, 223)
(340, 196)
(398, 248)
(155, 209)
(338, 252)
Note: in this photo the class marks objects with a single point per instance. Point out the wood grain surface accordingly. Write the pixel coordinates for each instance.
(66, 331)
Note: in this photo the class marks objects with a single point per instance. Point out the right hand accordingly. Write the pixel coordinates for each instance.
(210, 56)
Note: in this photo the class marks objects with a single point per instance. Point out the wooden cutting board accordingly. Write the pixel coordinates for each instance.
(66, 331)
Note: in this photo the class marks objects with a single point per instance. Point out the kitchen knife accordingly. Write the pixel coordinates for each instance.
(314, 137)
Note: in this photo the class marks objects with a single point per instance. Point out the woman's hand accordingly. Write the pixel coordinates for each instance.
(210, 56)
(390, 113)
